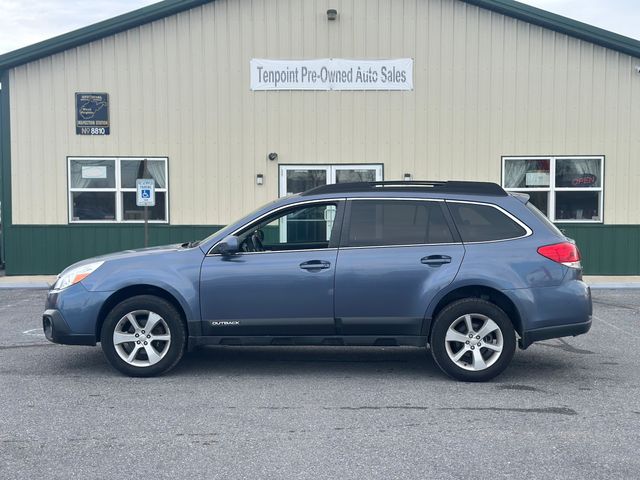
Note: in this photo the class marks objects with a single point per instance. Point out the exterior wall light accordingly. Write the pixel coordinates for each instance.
(332, 14)
(272, 156)
(259, 179)
(408, 177)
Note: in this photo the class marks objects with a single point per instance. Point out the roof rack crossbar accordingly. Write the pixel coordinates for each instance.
(461, 187)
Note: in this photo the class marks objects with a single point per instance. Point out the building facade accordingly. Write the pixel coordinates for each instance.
(497, 91)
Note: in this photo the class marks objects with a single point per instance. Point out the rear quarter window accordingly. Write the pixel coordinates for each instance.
(543, 218)
(483, 223)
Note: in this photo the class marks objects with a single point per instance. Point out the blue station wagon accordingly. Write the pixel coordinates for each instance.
(462, 268)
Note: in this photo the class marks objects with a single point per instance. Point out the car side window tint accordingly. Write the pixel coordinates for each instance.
(483, 223)
(396, 222)
(299, 228)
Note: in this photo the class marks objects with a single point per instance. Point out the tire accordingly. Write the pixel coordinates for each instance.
(460, 353)
(124, 335)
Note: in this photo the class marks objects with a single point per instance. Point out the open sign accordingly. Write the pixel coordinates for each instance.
(586, 180)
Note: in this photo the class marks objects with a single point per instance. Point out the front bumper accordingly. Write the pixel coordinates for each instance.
(571, 330)
(71, 315)
(57, 331)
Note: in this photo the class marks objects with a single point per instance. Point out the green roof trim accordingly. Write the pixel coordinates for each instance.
(560, 24)
(96, 31)
(165, 8)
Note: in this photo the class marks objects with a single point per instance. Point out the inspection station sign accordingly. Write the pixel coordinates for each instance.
(92, 114)
(332, 74)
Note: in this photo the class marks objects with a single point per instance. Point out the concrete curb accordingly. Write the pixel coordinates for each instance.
(614, 286)
(27, 282)
(24, 286)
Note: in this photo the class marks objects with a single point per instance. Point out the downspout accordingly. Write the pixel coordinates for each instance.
(5, 166)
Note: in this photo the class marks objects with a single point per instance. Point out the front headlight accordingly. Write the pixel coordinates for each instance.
(76, 275)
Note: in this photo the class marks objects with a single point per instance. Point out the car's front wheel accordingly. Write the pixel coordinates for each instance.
(143, 336)
(472, 340)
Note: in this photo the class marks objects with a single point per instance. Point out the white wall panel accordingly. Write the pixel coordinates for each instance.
(486, 85)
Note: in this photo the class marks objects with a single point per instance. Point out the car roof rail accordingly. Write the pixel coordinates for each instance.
(460, 187)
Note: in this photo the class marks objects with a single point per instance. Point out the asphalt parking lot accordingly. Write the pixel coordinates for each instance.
(566, 408)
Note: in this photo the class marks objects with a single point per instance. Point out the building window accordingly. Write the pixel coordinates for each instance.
(298, 178)
(565, 189)
(103, 189)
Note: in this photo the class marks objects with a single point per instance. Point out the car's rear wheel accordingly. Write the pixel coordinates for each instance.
(143, 336)
(472, 340)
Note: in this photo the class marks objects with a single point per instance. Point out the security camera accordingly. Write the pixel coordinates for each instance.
(272, 156)
(637, 68)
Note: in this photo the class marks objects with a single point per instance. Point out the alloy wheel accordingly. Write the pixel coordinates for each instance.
(474, 342)
(141, 338)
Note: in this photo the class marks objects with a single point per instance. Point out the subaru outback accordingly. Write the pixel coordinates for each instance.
(462, 268)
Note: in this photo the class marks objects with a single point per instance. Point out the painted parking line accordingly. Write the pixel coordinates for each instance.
(35, 332)
(626, 332)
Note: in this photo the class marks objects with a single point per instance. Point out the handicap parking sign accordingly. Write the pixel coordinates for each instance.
(145, 192)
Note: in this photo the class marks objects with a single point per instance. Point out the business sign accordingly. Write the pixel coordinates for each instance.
(577, 180)
(92, 114)
(145, 192)
(332, 74)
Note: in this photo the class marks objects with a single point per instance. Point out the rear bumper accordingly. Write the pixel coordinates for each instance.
(57, 331)
(570, 330)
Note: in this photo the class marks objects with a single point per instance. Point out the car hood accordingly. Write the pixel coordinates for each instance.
(139, 252)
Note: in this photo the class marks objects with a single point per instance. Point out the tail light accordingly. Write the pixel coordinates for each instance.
(565, 253)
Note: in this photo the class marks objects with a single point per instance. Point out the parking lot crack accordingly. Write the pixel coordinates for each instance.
(375, 407)
(26, 345)
(544, 410)
(522, 388)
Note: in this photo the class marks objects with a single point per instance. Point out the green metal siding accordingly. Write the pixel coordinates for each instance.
(607, 249)
(47, 249)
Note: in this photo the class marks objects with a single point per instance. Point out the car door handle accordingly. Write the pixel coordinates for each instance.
(435, 260)
(315, 265)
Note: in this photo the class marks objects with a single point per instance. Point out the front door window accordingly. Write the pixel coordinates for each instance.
(305, 227)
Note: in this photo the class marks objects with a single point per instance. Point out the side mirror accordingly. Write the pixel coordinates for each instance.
(229, 245)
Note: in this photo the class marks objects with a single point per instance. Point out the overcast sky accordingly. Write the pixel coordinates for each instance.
(25, 22)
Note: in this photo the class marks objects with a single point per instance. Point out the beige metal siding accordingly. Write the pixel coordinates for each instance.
(486, 85)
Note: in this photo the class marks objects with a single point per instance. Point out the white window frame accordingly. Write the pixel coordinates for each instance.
(118, 190)
(331, 171)
(552, 189)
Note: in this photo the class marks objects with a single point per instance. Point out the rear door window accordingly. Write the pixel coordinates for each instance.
(373, 223)
(483, 223)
